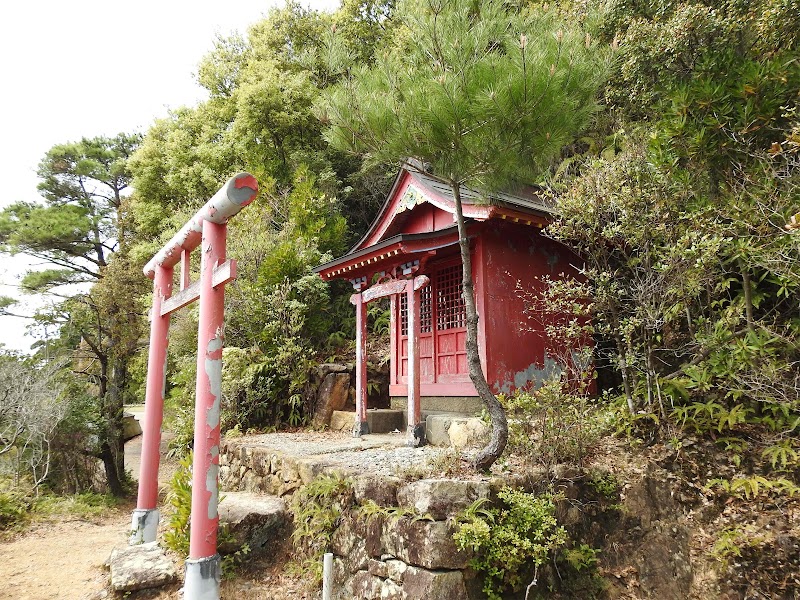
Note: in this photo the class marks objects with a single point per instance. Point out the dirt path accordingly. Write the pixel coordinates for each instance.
(64, 559)
(61, 559)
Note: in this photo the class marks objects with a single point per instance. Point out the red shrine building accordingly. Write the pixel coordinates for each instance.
(411, 255)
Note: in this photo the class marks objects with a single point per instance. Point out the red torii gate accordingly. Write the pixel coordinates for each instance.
(207, 229)
(415, 435)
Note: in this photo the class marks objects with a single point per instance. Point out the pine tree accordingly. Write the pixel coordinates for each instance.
(487, 96)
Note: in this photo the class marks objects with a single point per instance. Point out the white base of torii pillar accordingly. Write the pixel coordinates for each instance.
(415, 435)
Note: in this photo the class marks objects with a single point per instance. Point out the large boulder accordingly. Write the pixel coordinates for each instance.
(140, 567)
(332, 395)
(130, 426)
(427, 544)
(456, 431)
(381, 490)
(419, 584)
(251, 519)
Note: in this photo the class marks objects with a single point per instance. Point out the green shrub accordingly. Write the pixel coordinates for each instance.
(15, 504)
(551, 425)
(605, 484)
(511, 542)
(179, 498)
(83, 505)
(581, 558)
(317, 509)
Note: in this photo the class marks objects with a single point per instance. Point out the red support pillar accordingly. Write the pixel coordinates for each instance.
(416, 430)
(144, 524)
(203, 566)
(360, 426)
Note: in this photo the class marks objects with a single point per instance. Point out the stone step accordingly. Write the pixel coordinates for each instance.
(256, 520)
(445, 429)
(380, 420)
(140, 567)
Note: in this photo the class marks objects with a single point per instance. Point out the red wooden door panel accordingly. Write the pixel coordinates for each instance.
(443, 333)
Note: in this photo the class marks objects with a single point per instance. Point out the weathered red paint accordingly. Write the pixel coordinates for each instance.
(247, 181)
(185, 269)
(238, 192)
(154, 398)
(518, 258)
(206, 228)
(414, 412)
(205, 470)
(360, 425)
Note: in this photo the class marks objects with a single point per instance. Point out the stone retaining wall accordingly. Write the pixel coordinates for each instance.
(389, 557)
(264, 470)
(403, 550)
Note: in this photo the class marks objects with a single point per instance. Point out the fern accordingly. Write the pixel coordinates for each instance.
(754, 486)
(782, 455)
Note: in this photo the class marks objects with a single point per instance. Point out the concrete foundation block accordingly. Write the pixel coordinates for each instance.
(203, 577)
(456, 431)
(379, 420)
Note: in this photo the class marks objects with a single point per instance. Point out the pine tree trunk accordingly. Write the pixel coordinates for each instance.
(497, 444)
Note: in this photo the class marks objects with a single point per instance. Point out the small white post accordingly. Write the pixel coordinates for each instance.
(327, 576)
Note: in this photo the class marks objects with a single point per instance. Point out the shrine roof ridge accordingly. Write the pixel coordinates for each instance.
(526, 198)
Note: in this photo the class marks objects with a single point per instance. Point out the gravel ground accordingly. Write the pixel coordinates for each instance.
(378, 454)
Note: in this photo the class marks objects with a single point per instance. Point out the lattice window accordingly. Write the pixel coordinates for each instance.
(403, 314)
(450, 309)
(425, 312)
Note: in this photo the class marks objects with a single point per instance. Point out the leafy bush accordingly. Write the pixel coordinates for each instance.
(15, 503)
(179, 498)
(511, 540)
(755, 486)
(179, 407)
(551, 425)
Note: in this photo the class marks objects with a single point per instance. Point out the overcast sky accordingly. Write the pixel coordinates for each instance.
(85, 68)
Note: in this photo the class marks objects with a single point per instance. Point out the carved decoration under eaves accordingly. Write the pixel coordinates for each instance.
(411, 198)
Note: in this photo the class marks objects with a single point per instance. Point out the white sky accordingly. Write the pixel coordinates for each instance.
(85, 68)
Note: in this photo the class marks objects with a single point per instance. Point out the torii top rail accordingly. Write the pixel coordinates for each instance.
(207, 229)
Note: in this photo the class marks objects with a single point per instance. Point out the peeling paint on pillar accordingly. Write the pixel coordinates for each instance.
(214, 373)
(154, 397)
(207, 228)
(210, 337)
(213, 489)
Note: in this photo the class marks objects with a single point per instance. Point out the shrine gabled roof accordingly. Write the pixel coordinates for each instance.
(394, 250)
(388, 237)
(411, 188)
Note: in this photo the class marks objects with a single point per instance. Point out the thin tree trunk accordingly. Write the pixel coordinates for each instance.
(116, 410)
(111, 445)
(497, 444)
(623, 367)
(747, 284)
